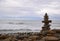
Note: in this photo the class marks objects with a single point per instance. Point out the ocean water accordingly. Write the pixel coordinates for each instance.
(12, 26)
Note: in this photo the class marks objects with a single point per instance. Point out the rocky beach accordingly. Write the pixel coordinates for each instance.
(45, 33)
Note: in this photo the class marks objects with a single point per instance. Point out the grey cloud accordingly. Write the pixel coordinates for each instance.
(20, 12)
(29, 8)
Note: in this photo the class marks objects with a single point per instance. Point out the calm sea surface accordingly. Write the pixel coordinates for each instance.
(12, 26)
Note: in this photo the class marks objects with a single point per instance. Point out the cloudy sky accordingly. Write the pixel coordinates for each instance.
(29, 9)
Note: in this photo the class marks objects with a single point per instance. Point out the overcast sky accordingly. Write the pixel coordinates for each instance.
(29, 9)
